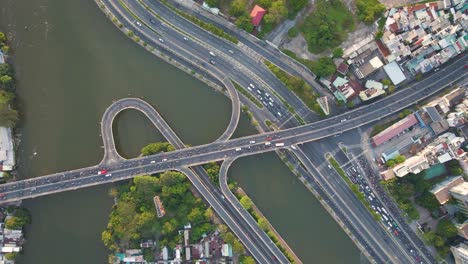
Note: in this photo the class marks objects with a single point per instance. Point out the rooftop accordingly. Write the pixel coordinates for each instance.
(394, 130)
(257, 14)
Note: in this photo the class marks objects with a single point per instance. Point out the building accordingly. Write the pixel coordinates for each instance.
(2, 58)
(413, 165)
(394, 72)
(387, 175)
(159, 207)
(342, 68)
(460, 193)
(369, 67)
(343, 88)
(257, 14)
(394, 130)
(7, 153)
(460, 253)
(462, 229)
(441, 190)
(444, 148)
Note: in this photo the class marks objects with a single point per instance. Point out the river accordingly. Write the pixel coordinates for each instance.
(71, 63)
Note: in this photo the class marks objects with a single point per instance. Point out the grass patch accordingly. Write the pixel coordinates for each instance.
(209, 27)
(353, 187)
(241, 90)
(298, 86)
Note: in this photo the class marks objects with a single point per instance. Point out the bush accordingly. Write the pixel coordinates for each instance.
(324, 67)
(337, 52)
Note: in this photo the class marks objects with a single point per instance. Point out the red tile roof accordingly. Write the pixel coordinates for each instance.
(343, 69)
(394, 130)
(257, 15)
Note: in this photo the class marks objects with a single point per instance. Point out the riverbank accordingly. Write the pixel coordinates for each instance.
(13, 218)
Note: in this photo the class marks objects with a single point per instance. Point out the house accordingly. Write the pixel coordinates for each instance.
(413, 165)
(394, 72)
(343, 88)
(343, 68)
(368, 67)
(257, 14)
(441, 190)
(395, 130)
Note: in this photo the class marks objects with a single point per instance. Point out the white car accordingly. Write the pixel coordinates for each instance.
(252, 142)
(164, 160)
(251, 85)
(185, 38)
(153, 161)
(109, 174)
(161, 40)
(138, 23)
(230, 51)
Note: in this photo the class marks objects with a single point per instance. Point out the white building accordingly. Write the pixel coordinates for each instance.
(7, 154)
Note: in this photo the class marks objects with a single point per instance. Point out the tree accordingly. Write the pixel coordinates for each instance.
(390, 163)
(246, 202)
(400, 159)
(6, 97)
(276, 12)
(428, 201)
(6, 81)
(156, 147)
(8, 116)
(350, 104)
(247, 260)
(5, 69)
(418, 76)
(195, 216)
(369, 10)
(212, 3)
(386, 82)
(2, 37)
(323, 67)
(263, 223)
(337, 52)
(237, 7)
(12, 255)
(446, 229)
(5, 49)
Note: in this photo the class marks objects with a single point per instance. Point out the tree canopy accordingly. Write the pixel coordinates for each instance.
(156, 147)
(369, 10)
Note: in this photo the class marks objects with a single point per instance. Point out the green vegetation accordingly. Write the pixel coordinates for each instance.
(337, 52)
(8, 115)
(213, 172)
(247, 260)
(323, 67)
(19, 218)
(397, 160)
(445, 234)
(298, 86)
(353, 187)
(241, 90)
(133, 218)
(263, 224)
(416, 186)
(293, 32)
(405, 113)
(277, 11)
(209, 27)
(369, 10)
(381, 127)
(454, 168)
(326, 27)
(268, 123)
(157, 147)
(12, 255)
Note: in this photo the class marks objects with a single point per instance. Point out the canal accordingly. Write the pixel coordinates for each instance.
(71, 63)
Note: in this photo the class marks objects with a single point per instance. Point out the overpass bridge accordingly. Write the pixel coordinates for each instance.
(187, 160)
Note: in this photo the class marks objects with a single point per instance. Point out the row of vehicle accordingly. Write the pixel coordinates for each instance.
(354, 173)
(266, 99)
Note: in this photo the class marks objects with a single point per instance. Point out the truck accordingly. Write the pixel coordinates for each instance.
(279, 144)
(238, 149)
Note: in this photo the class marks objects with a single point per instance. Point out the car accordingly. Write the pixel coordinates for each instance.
(259, 92)
(161, 40)
(103, 171)
(152, 21)
(271, 99)
(153, 161)
(279, 114)
(267, 94)
(436, 69)
(164, 160)
(212, 54)
(270, 103)
(269, 138)
(238, 149)
(252, 141)
(185, 38)
(139, 24)
(251, 85)
(329, 166)
(293, 147)
(250, 89)
(213, 62)
(267, 143)
(230, 51)
(343, 120)
(108, 174)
